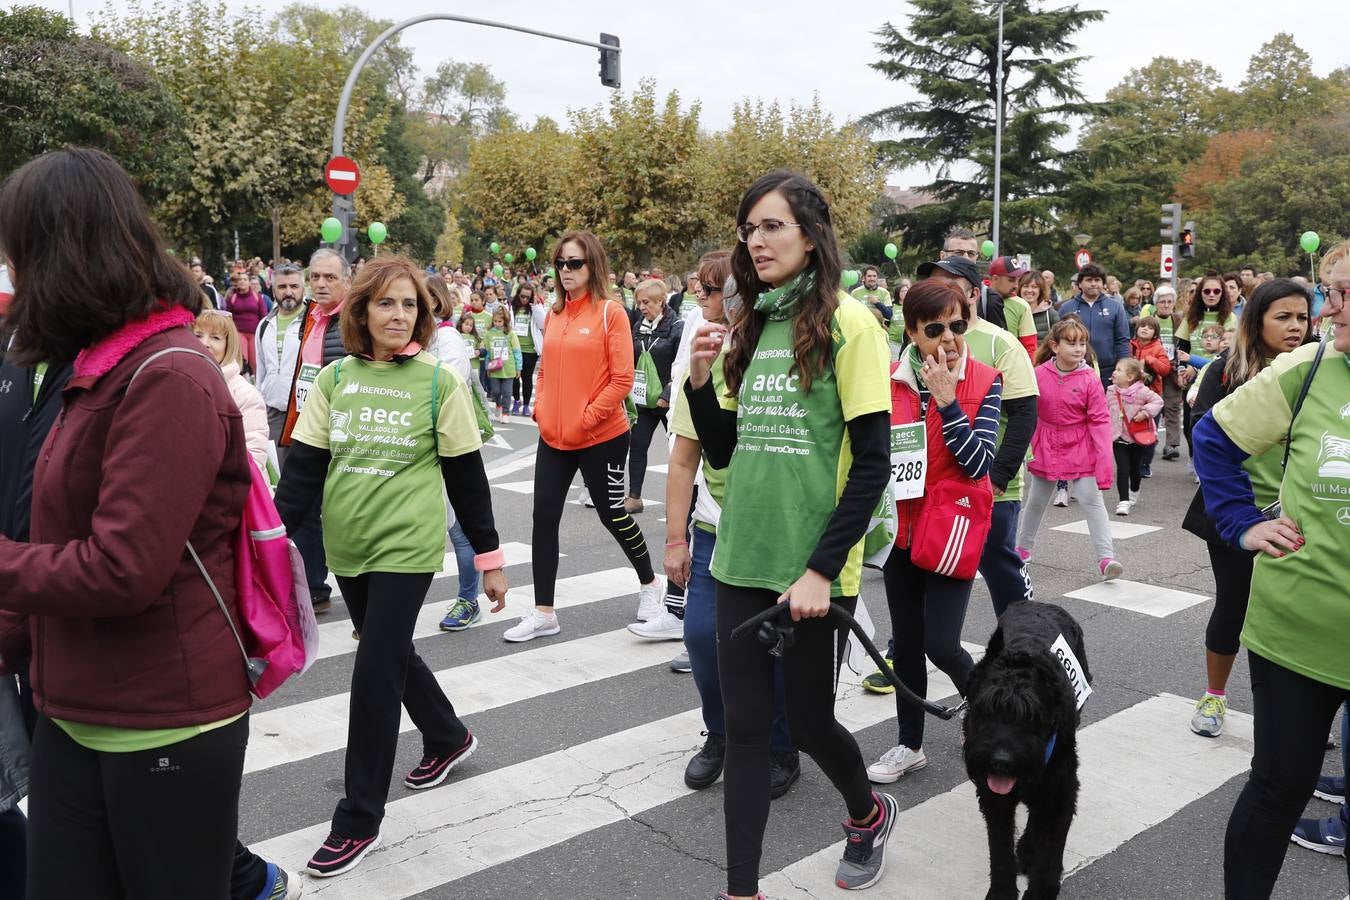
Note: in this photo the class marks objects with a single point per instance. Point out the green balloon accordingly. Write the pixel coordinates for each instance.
(550, 273)
(495, 248)
(891, 251)
(1310, 241)
(850, 277)
(530, 253)
(497, 270)
(509, 259)
(330, 230)
(987, 249)
(377, 232)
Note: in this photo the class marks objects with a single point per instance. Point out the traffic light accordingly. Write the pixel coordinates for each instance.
(1188, 241)
(347, 243)
(1171, 220)
(609, 61)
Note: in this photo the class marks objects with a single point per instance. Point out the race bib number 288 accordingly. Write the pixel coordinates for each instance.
(909, 460)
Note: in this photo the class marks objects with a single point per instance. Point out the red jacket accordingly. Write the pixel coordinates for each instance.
(125, 630)
(971, 390)
(1153, 355)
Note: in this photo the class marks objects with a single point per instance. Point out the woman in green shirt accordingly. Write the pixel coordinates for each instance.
(381, 432)
(803, 430)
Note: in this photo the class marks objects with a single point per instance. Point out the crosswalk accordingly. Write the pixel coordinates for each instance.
(1140, 765)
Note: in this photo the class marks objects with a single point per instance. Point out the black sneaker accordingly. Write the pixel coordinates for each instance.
(340, 854)
(784, 770)
(706, 766)
(434, 767)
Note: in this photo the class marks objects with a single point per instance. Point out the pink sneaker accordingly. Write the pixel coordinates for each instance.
(1024, 555)
(1110, 569)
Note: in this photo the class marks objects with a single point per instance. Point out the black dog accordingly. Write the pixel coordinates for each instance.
(1020, 746)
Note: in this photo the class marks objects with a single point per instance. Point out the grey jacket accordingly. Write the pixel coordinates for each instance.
(14, 747)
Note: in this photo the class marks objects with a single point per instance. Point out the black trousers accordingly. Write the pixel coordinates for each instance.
(644, 429)
(387, 672)
(927, 613)
(159, 824)
(1129, 467)
(1232, 587)
(810, 672)
(523, 387)
(1292, 716)
(602, 466)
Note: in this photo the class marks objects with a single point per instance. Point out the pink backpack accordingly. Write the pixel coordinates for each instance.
(279, 636)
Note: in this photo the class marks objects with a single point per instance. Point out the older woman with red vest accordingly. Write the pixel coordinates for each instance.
(944, 424)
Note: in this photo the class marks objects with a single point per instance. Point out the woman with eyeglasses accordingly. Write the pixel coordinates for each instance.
(585, 372)
(1210, 306)
(802, 427)
(946, 404)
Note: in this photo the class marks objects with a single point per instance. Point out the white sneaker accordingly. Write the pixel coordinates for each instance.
(651, 600)
(1134, 498)
(895, 762)
(1123, 508)
(1062, 497)
(532, 625)
(662, 627)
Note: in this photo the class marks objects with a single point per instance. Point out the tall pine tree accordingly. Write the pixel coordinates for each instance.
(950, 56)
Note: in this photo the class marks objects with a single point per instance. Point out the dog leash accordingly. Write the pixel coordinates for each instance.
(779, 637)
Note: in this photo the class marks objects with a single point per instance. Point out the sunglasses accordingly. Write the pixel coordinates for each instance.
(1212, 292)
(573, 264)
(933, 330)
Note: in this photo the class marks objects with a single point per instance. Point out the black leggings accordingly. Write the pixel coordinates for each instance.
(1232, 587)
(1292, 716)
(387, 672)
(927, 613)
(810, 672)
(644, 429)
(1129, 467)
(157, 824)
(523, 387)
(602, 468)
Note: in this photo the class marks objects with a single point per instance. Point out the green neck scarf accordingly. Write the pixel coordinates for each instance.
(782, 302)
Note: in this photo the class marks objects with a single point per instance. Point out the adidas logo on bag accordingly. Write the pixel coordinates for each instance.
(964, 501)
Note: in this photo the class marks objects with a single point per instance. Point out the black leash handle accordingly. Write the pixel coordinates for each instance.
(841, 616)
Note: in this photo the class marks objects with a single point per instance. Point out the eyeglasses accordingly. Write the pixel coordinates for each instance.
(768, 228)
(573, 264)
(968, 254)
(1211, 292)
(934, 330)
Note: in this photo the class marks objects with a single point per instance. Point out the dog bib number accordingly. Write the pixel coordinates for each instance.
(1073, 669)
(909, 460)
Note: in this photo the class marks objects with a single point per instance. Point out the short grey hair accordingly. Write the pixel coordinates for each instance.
(962, 234)
(325, 253)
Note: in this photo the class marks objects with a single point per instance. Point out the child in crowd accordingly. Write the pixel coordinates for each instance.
(1147, 347)
(482, 317)
(1132, 407)
(215, 329)
(1211, 343)
(503, 360)
(1072, 442)
(468, 330)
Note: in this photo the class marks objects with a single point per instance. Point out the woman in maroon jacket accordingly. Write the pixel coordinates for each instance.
(142, 699)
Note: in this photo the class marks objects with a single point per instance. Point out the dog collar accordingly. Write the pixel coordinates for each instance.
(1050, 747)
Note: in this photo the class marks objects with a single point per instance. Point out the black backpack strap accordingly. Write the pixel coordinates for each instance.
(1298, 404)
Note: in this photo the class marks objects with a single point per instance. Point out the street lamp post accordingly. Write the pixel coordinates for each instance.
(998, 127)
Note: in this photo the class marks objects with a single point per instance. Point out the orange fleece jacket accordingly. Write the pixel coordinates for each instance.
(585, 371)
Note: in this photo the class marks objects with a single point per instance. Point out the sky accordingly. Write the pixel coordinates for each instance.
(718, 52)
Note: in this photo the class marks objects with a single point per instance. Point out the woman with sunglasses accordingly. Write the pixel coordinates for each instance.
(585, 371)
(1209, 306)
(953, 401)
(803, 428)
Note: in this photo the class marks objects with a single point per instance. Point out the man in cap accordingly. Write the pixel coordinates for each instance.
(1004, 273)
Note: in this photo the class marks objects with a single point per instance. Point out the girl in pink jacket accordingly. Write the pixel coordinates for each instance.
(1072, 442)
(1129, 400)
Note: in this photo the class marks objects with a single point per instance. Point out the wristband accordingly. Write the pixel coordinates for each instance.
(486, 562)
(672, 544)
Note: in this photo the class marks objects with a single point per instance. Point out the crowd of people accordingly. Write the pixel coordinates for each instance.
(961, 403)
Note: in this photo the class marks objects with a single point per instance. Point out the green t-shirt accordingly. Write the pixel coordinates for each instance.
(793, 454)
(473, 344)
(995, 347)
(39, 376)
(279, 328)
(112, 739)
(687, 302)
(482, 321)
(502, 345)
(682, 425)
(1209, 318)
(876, 298)
(1017, 313)
(383, 501)
(1298, 615)
(628, 299)
(520, 324)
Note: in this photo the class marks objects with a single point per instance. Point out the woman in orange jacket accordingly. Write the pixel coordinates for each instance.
(585, 371)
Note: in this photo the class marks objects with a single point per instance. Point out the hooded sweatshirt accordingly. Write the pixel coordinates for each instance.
(1073, 427)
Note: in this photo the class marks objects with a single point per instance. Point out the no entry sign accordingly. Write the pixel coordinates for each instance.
(342, 175)
(1082, 257)
(1167, 265)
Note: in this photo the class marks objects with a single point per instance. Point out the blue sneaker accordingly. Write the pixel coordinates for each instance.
(461, 614)
(1321, 835)
(1330, 788)
(278, 885)
(1146, 471)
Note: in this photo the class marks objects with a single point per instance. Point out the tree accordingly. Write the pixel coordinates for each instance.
(517, 184)
(459, 102)
(634, 181)
(59, 88)
(840, 160)
(950, 56)
(1280, 88)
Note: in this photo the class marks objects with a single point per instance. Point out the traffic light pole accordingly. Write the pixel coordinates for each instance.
(608, 51)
